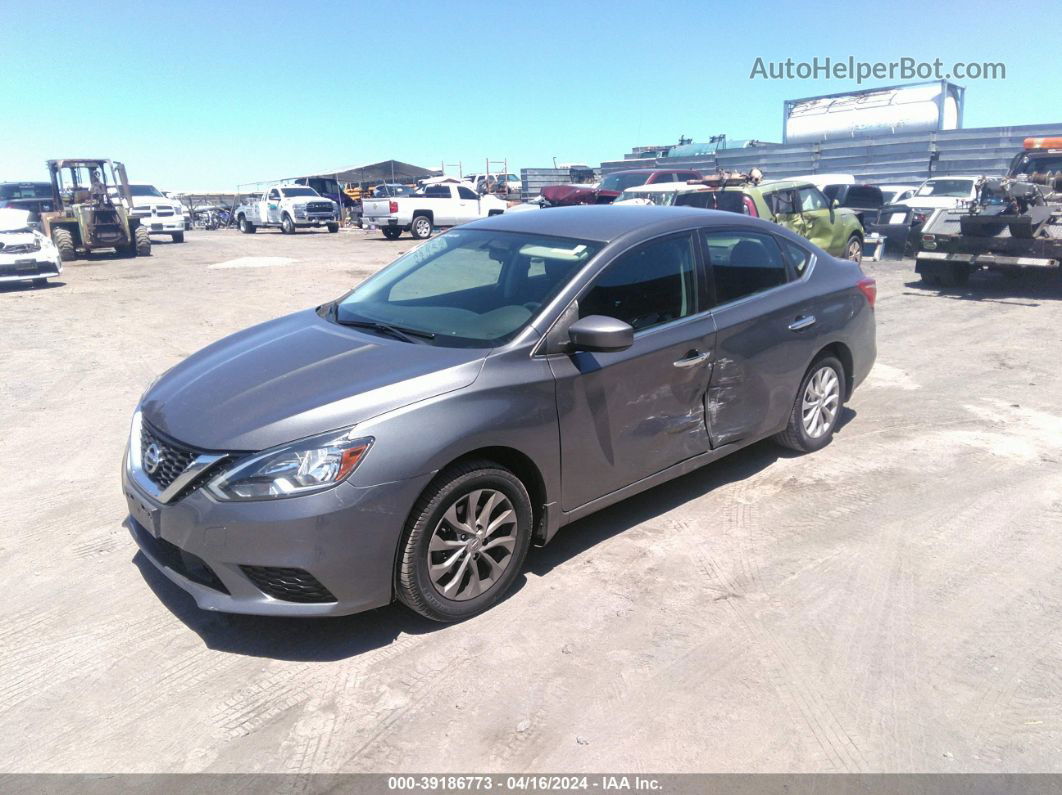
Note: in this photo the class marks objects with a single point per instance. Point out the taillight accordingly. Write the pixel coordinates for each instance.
(392, 207)
(869, 288)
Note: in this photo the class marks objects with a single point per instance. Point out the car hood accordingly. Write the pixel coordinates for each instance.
(569, 194)
(297, 376)
(152, 201)
(932, 202)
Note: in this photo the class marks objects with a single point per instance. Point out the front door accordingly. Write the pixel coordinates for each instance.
(820, 228)
(626, 415)
(272, 206)
(765, 331)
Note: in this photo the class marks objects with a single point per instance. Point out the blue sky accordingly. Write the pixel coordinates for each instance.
(203, 95)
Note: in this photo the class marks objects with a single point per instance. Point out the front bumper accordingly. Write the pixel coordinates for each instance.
(17, 268)
(315, 219)
(345, 537)
(165, 224)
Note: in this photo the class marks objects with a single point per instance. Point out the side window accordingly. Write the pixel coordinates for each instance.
(465, 193)
(798, 256)
(685, 176)
(864, 196)
(437, 192)
(743, 263)
(781, 202)
(812, 199)
(653, 284)
(274, 194)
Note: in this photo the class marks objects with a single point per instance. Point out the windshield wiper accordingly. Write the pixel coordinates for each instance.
(402, 333)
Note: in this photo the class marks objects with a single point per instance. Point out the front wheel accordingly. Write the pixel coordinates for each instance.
(143, 242)
(421, 227)
(465, 542)
(287, 226)
(333, 228)
(178, 237)
(392, 232)
(247, 227)
(817, 407)
(64, 241)
(853, 249)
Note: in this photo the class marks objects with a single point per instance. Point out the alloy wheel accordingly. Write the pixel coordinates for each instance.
(822, 397)
(472, 544)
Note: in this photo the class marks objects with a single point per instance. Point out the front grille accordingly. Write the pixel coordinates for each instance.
(319, 207)
(289, 585)
(174, 457)
(189, 566)
(21, 248)
(163, 211)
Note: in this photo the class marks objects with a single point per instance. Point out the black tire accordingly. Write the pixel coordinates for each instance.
(40, 282)
(142, 240)
(64, 241)
(931, 279)
(414, 586)
(391, 232)
(287, 226)
(333, 228)
(421, 227)
(246, 226)
(853, 249)
(178, 237)
(796, 436)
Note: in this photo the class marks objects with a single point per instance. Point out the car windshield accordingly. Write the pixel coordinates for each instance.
(26, 190)
(952, 188)
(1038, 165)
(664, 198)
(466, 288)
(299, 191)
(144, 190)
(620, 182)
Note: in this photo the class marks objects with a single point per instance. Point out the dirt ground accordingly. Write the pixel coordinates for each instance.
(891, 603)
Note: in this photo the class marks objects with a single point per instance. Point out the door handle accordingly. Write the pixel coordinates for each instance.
(693, 360)
(802, 322)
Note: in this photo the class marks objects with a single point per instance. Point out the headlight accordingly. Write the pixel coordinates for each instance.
(302, 467)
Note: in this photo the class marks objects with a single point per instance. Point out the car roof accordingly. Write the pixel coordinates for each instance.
(664, 187)
(604, 223)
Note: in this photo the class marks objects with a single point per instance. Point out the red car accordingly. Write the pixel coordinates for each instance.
(613, 185)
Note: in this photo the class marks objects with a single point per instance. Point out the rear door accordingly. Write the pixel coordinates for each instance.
(626, 415)
(442, 204)
(765, 331)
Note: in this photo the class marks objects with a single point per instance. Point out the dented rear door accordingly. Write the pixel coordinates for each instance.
(759, 360)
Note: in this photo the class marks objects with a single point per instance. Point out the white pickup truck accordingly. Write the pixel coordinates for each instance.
(441, 204)
(289, 207)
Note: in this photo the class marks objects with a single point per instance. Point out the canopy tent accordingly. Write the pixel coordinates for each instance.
(387, 170)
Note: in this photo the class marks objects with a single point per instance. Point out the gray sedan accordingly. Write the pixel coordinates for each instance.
(414, 437)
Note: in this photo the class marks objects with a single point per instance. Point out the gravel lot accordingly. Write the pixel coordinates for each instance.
(891, 603)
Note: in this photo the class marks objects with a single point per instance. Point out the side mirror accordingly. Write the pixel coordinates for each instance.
(601, 334)
(836, 203)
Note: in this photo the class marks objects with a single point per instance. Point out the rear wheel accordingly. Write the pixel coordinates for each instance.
(143, 242)
(64, 241)
(853, 249)
(465, 542)
(178, 237)
(287, 226)
(817, 407)
(421, 227)
(391, 232)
